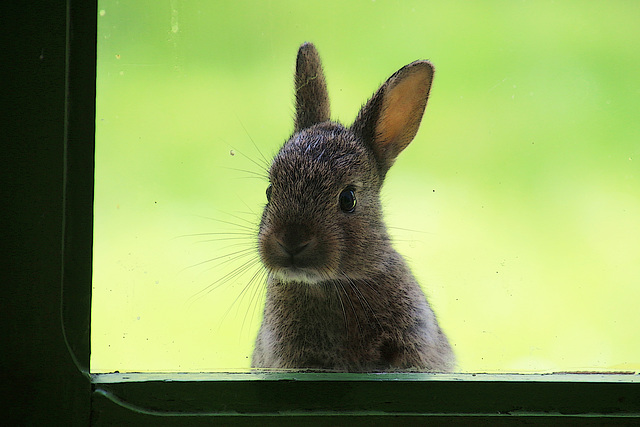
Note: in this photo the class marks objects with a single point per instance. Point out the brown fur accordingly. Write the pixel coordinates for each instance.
(339, 297)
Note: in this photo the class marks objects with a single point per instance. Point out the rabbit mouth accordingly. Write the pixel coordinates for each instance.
(299, 275)
(294, 254)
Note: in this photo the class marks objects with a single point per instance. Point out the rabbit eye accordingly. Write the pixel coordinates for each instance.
(269, 193)
(347, 200)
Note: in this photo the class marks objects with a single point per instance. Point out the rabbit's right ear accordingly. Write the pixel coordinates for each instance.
(391, 118)
(312, 99)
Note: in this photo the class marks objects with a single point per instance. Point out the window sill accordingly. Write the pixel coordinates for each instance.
(180, 397)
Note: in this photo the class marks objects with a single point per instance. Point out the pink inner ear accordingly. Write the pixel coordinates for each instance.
(402, 109)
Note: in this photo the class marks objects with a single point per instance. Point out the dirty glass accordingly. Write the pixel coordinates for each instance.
(517, 205)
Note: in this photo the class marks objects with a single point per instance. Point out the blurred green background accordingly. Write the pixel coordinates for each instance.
(517, 205)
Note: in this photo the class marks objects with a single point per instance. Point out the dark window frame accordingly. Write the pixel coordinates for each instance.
(274, 398)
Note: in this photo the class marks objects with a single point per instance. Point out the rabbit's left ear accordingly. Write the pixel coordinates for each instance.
(391, 118)
(312, 99)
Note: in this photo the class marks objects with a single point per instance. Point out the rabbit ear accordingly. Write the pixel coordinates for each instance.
(391, 118)
(312, 99)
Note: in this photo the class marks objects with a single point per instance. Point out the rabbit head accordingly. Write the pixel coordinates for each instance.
(323, 219)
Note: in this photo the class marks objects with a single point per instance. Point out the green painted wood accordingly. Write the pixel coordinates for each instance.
(393, 396)
(108, 413)
(49, 145)
(48, 82)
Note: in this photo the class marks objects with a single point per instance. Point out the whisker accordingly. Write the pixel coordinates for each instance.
(251, 212)
(230, 257)
(364, 303)
(262, 167)
(264, 159)
(260, 175)
(353, 308)
(410, 230)
(256, 295)
(242, 293)
(252, 224)
(249, 228)
(257, 277)
(344, 313)
(226, 239)
(237, 272)
(215, 234)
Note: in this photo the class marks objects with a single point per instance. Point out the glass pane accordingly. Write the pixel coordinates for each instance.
(517, 205)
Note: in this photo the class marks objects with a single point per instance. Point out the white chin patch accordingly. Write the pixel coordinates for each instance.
(298, 275)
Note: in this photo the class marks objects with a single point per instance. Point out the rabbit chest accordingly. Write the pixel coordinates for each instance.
(343, 326)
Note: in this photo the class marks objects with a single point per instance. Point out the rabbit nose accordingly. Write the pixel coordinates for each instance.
(293, 249)
(295, 240)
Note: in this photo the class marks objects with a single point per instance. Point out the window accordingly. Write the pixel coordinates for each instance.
(531, 395)
(516, 205)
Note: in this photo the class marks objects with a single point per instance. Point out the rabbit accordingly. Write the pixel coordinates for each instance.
(339, 297)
